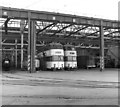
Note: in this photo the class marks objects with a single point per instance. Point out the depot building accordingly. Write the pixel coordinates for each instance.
(38, 41)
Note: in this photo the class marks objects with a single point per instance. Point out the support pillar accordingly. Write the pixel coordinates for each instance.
(31, 45)
(21, 50)
(1, 53)
(101, 47)
(22, 24)
(16, 53)
(29, 57)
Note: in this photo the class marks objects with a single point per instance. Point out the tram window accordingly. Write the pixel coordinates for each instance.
(48, 58)
(74, 58)
(55, 58)
(60, 58)
(69, 58)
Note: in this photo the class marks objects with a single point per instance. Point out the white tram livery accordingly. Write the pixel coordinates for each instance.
(53, 57)
(70, 57)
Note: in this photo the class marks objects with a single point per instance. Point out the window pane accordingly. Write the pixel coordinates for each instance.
(69, 58)
(60, 58)
(55, 58)
(74, 58)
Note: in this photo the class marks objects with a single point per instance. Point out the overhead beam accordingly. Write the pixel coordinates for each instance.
(62, 29)
(111, 33)
(6, 25)
(45, 28)
(96, 32)
(76, 31)
(46, 37)
(52, 17)
(92, 33)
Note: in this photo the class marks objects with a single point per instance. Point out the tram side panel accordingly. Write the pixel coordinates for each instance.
(52, 59)
(55, 59)
(70, 59)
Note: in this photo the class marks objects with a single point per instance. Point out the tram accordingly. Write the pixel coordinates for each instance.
(52, 57)
(70, 57)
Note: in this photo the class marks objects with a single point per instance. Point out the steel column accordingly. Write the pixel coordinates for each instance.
(16, 53)
(22, 30)
(0, 51)
(101, 47)
(119, 10)
(31, 45)
(21, 50)
(29, 57)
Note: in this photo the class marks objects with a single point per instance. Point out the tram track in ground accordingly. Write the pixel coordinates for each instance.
(29, 77)
(58, 97)
(59, 83)
(26, 89)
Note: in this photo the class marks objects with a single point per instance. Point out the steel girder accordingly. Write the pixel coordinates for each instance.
(49, 17)
(62, 25)
(45, 28)
(72, 30)
(15, 13)
(6, 24)
(46, 38)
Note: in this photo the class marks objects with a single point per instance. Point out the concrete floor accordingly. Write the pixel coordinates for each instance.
(60, 88)
(109, 75)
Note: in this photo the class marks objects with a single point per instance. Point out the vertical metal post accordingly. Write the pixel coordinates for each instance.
(29, 28)
(0, 49)
(101, 47)
(22, 23)
(31, 45)
(21, 50)
(119, 10)
(1, 58)
(16, 53)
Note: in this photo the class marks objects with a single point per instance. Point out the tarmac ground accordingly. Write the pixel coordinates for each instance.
(81, 87)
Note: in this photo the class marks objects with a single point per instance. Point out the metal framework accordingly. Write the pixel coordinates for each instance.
(39, 28)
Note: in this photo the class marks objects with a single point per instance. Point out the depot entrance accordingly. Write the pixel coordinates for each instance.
(41, 28)
(14, 55)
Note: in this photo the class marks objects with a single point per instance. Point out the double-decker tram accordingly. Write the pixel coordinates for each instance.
(70, 57)
(52, 57)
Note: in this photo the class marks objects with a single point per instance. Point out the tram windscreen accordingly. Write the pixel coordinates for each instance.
(70, 58)
(74, 58)
(57, 58)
